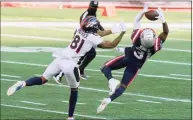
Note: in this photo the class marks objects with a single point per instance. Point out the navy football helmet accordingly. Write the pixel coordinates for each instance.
(90, 24)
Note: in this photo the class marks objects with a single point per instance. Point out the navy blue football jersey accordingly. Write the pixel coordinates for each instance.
(137, 54)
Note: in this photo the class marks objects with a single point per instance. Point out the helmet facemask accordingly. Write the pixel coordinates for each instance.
(147, 38)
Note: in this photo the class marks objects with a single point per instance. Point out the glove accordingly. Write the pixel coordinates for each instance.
(123, 27)
(145, 8)
(161, 15)
(116, 28)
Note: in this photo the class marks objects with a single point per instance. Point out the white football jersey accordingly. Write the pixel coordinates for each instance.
(81, 44)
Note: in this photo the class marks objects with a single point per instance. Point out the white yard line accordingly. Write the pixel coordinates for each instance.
(32, 103)
(180, 75)
(106, 91)
(13, 76)
(148, 101)
(186, 25)
(67, 40)
(76, 103)
(115, 102)
(156, 61)
(144, 75)
(50, 111)
(35, 37)
(158, 76)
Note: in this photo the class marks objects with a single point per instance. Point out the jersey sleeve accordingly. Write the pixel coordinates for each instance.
(135, 35)
(95, 40)
(158, 44)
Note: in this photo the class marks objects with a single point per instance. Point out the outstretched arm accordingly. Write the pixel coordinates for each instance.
(137, 24)
(165, 32)
(115, 42)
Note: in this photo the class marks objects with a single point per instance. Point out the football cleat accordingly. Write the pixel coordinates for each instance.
(70, 118)
(17, 86)
(113, 83)
(58, 77)
(103, 104)
(84, 77)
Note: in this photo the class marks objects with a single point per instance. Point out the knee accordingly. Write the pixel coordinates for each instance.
(74, 89)
(104, 69)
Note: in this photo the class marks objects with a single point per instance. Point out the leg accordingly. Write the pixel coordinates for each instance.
(128, 77)
(114, 64)
(87, 59)
(51, 70)
(72, 77)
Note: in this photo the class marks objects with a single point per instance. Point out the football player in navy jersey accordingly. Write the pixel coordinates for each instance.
(145, 44)
(90, 55)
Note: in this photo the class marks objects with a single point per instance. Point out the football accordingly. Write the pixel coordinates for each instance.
(151, 15)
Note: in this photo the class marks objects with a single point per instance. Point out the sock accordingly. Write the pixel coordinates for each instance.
(107, 72)
(34, 81)
(72, 103)
(117, 93)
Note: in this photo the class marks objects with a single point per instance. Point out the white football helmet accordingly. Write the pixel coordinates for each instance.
(147, 38)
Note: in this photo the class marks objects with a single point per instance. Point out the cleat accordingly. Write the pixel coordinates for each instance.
(70, 118)
(58, 77)
(17, 86)
(84, 77)
(103, 104)
(113, 83)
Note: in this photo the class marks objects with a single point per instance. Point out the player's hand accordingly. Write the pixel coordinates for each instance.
(123, 27)
(161, 15)
(116, 28)
(145, 8)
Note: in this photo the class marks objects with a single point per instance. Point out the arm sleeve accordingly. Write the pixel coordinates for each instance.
(135, 35)
(158, 44)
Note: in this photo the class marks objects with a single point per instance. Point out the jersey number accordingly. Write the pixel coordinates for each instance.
(74, 44)
(138, 54)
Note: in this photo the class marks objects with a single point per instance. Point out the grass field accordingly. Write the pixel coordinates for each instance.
(162, 90)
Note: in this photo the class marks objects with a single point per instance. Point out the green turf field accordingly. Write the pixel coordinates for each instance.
(162, 90)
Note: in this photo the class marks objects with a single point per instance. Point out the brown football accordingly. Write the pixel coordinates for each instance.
(151, 15)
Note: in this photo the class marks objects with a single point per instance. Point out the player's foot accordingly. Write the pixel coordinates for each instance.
(58, 78)
(103, 104)
(18, 85)
(70, 118)
(83, 76)
(113, 83)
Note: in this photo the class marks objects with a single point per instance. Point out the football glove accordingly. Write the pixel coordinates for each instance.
(145, 8)
(116, 28)
(123, 27)
(161, 15)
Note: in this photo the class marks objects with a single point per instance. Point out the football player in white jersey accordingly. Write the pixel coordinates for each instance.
(91, 54)
(67, 58)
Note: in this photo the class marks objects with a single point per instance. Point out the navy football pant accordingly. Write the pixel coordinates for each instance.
(117, 63)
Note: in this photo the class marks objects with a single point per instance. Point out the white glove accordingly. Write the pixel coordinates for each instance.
(121, 50)
(123, 27)
(116, 28)
(161, 15)
(145, 8)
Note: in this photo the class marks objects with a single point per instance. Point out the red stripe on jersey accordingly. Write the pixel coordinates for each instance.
(157, 44)
(135, 35)
(113, 60)
(133, 78)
